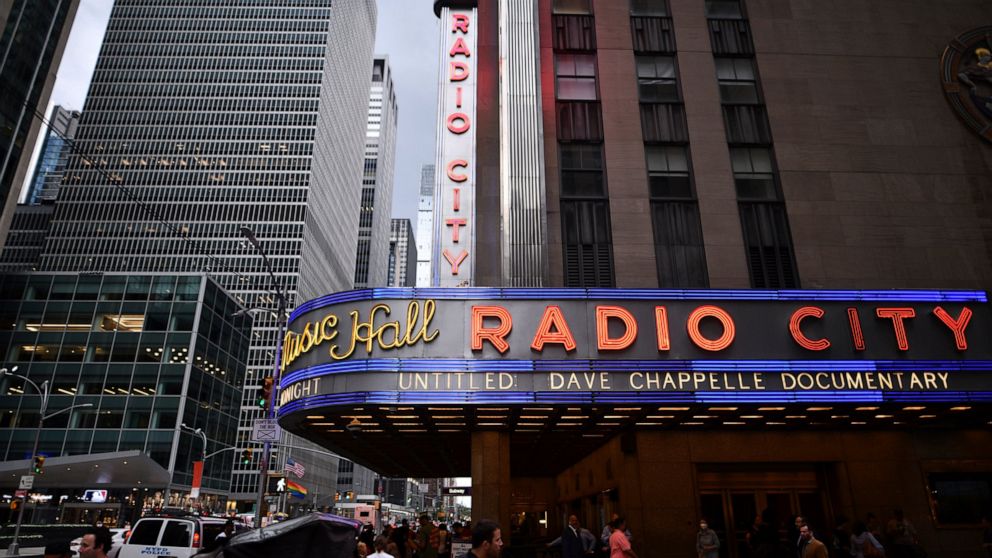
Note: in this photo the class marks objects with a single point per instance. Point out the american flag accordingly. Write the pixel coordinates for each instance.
(294, 467)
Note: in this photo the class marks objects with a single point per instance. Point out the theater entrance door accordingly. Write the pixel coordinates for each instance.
(731, 499)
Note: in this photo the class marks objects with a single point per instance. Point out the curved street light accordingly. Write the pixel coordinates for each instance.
(42, 390)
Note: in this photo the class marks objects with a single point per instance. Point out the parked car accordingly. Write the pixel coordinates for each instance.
(178, 536)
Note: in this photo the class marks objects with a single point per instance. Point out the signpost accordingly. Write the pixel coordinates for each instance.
(27, 482)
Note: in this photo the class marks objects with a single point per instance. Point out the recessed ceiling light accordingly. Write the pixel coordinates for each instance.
(723, 408)
(673, 408)
(867, 409)
(913, 408)
(771, 408)
(819, 408)
(960, 408)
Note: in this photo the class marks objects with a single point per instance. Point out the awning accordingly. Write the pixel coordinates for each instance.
(121, 469)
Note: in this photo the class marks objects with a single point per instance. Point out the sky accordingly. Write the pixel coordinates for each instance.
(407, 32)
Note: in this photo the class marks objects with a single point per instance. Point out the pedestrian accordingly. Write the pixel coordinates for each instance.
(795, 541)
(840, 542)
(224, 536)
(570, 540)
(427, 539)
(863, 542)
(811, 548)
(392, 549)
(380, 544)
(400, 536)
(97, 542)
(444, 541)
(901, 535)
(361, 550)
(604, 537)
(487, 540)
(367, 535)
(987, 535)
(58, 549)
(707, 542)
(619, 542)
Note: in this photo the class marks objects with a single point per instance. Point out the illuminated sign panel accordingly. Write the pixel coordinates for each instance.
(614, 345)
(454, 208)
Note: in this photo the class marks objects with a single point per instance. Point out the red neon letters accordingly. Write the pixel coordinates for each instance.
(553, 327)
(458, 168)
(797, 334)
(495, 335)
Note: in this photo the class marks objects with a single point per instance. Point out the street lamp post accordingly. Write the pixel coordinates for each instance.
(14, 548)
(263, 468)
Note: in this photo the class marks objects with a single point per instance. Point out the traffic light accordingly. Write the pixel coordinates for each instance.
(39, 463)
(246, 456)
(265, 393)
(14, 504)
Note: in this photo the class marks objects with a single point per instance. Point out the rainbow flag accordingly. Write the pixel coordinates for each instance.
(296, 490)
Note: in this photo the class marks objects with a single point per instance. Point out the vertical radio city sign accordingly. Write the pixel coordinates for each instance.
(454, 188)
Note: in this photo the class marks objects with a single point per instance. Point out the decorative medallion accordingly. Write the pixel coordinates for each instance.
(966, 73)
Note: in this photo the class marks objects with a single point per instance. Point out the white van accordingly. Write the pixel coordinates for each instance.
(171, 536)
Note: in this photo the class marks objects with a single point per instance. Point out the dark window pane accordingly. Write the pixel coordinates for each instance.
(770, 257)
(572, 6)
(145, 532)
(670, 186)
(177, 533)
(587, 243)
(657, 91)
(755, 187)
(581, 156)
(960, 498)
(738, 93)
(583, 184)
(730, 9)
(649, 8)
(678, 240)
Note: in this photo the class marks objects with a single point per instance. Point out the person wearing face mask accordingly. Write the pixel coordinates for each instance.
(707, 543)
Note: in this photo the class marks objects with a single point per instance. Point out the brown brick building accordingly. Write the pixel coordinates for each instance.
(751, 144)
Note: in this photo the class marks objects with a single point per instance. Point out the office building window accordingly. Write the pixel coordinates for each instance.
(737, 79)
(582, 170)
(576, 76)
(656, 79)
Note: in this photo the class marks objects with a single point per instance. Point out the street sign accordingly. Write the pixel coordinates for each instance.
(457, 491)
(21, 494)
(265, 430)
(27, 482)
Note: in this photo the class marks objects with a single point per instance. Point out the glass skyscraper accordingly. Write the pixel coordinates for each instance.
(55, 152)
(218, 115)
(371, 261)
(149, 352)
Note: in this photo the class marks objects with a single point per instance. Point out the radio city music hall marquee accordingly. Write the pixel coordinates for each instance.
(454, 212)
(615, 345)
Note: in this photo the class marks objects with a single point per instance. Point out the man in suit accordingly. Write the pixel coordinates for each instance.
(811, 548)
(571, 542)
